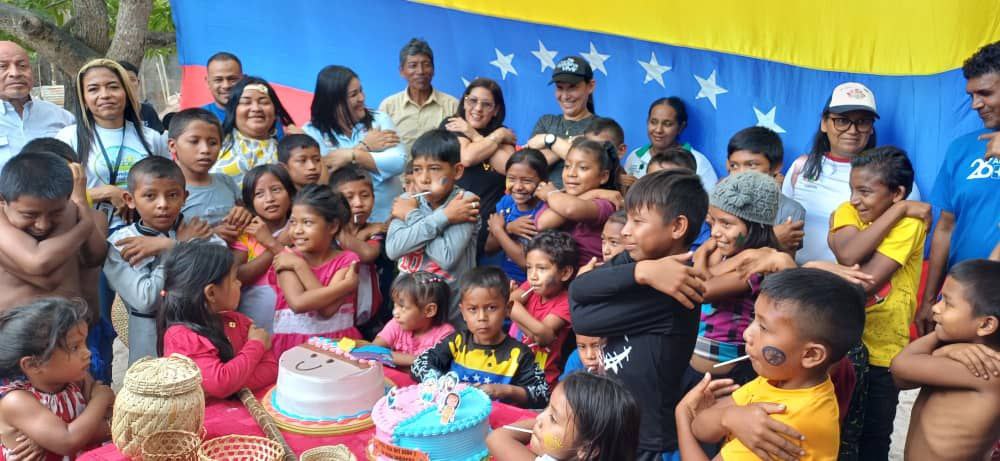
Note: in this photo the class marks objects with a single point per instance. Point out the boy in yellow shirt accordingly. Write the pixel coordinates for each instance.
(806, 320)
(880, 231)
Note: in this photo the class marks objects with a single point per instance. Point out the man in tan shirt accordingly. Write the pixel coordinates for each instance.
(419, 107)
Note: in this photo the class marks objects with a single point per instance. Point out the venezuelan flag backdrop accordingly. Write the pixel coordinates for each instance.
(735, 63)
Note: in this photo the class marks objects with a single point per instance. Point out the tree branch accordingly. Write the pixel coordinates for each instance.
(160, 39)
(91, 23)
(129, 43)
(57, 46)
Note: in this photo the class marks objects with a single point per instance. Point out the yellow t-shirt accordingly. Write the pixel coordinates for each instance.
(887, 323)
(812, 411)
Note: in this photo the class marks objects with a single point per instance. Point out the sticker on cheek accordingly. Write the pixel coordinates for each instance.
(773, 355)
(741, 240)
(444, 181)
(551, 442)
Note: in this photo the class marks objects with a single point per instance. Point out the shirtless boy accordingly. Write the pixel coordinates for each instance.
(957, 415)
(45, 236)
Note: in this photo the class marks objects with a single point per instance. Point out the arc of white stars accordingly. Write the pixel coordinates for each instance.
(767, 119)
(654, 71)
(505, 63)
(596, 59)
(709, 89)
(546, 57)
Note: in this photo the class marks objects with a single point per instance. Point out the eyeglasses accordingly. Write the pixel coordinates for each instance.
(471, 102)
(842, 124)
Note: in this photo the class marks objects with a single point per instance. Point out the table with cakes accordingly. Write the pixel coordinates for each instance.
(328, 394)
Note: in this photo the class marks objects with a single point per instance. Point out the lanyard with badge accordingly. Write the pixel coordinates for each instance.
(112, 170)
(107, 207)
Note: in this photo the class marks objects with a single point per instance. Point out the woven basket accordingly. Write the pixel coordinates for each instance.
(328, 453)
(241, 448)
(119, 319)
(171, 446)
(157, 395)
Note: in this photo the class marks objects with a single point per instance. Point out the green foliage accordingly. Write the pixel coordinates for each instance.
(60, 11)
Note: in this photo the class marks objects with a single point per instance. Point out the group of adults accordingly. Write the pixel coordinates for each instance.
(109, 133)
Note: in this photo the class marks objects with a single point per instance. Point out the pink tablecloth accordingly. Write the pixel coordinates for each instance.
(230, 417)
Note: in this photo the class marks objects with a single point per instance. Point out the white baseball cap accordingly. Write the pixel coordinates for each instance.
(852, 96)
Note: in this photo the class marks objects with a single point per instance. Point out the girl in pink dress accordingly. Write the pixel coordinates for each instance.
(316, 281)
(46, 394)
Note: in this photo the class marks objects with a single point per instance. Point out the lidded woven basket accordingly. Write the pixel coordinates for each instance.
(158, 395)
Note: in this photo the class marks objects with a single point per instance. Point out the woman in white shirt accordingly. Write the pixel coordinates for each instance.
(349, 132)
(820, 180)
(109, 136)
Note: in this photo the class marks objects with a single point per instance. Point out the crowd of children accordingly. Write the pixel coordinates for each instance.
(647, 314)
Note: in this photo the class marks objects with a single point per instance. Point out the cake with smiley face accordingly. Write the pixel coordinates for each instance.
(321, 382)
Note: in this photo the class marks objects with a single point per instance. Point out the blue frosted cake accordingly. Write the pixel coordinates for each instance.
(429, 423)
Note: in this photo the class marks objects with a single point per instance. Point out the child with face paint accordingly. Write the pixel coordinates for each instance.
(513, 224)
(197, 318)
(806, 320)
(589, 418)
(589, 197)
(540, 312)
(741, 212)
(883, 233)
(957, 367)
(435, 230)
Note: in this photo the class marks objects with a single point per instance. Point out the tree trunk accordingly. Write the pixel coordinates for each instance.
(90, 24)
(57, 45)
(129, 43)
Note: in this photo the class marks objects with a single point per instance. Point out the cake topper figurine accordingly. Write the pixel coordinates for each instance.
(346, 344)
(448, 383)
(428, 391)
(451, 402)
(390, 398)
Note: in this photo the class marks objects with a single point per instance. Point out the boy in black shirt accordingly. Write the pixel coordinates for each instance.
(645, 300)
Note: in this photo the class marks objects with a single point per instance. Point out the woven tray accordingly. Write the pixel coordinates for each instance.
(171, 446)
(241, 448)
(328, 453)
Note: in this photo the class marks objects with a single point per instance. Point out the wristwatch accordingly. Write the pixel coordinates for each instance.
(549, 139)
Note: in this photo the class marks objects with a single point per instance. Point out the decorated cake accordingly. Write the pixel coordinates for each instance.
(438, 420)
(321, 382)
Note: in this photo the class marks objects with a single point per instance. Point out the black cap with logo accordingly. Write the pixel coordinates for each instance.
(572, 69)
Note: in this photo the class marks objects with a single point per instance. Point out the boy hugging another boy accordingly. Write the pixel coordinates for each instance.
(360, 236)
(40, 224)
(134, 266)
(642, 301)
(483, 354)
(957, 415)
(436, 231)
(806, 320)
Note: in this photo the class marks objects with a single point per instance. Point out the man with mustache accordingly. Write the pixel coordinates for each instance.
(21, 117)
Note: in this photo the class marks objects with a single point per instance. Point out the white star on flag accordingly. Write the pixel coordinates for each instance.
(709, 89)
(654, 71)
(487, 380)
(546, 57)
(596, 59)
(465, 82)
(767, 120)
(504, 63)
